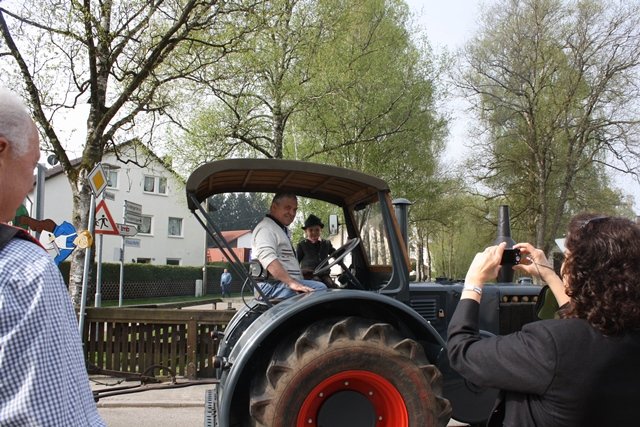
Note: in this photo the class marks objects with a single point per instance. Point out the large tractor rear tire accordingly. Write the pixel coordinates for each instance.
(349, 372)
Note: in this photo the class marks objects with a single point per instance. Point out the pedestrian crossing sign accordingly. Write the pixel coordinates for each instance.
(104, 221)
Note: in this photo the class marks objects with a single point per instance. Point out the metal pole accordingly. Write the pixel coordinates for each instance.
(121, 289)
(87, 262)
(39, 211)
(204, 278)
(98, 297)
(204, 267)
(39, 202)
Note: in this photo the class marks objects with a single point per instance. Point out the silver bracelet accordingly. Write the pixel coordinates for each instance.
(472, 288)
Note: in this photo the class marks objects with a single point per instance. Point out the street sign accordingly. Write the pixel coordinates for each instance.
(127, 230)
(104, 221)
(132, 213)
(133, 219)
(131, 207)
(134, 243)
(97, 180)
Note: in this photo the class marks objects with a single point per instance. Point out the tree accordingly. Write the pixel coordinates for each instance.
(255, 92)
(449, 227)
(331, 82)
(381, 116)
(238, 211)
(318, 78)
(555, 87)
(121, 59)
(374, 91)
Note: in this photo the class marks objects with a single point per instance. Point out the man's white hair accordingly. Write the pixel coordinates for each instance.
(16, 125)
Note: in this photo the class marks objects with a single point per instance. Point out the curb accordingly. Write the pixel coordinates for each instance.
(150, 405)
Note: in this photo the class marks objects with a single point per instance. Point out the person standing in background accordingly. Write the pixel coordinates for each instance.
(225, 283)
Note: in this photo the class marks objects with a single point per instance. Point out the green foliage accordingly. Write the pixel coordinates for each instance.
(379, 113)
(334, 82)
(142, 273)
(455, 232)
(124, 61)
(258, 88)
(149, 273)
(555, 87)
(238, 211)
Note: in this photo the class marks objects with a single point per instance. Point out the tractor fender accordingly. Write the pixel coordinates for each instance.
(260, 337)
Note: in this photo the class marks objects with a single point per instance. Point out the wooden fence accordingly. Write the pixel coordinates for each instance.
(135, 339)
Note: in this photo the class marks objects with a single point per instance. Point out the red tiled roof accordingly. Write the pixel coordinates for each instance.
(232, 235)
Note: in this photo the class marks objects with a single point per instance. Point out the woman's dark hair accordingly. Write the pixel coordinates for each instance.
(602, 272)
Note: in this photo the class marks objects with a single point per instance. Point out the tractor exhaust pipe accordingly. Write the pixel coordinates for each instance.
(401, 207)
(505, 275)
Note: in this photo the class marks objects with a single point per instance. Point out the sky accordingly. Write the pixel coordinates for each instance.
(448, 23)
(448, 26)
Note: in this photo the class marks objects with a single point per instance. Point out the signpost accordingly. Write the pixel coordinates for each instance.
(132, 214)
(104, 224)
(98, 182)
(132, 243)
(127, 230)
(104, 221)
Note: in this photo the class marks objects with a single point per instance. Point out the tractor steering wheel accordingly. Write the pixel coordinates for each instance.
(336, 258)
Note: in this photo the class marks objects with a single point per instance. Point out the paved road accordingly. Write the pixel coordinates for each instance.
(182, 407)
(153, 408)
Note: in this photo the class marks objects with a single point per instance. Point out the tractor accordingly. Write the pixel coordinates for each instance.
(370, 353)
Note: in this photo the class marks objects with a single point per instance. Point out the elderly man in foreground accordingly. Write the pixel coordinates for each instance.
(44, 380)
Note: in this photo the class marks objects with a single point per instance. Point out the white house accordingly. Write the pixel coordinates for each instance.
(169, 233)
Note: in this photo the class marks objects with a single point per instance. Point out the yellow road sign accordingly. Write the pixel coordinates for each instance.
(97, 180)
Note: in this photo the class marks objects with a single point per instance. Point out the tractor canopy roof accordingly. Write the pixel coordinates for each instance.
(323, 182)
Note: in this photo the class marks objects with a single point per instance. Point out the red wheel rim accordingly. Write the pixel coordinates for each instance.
(385, 398)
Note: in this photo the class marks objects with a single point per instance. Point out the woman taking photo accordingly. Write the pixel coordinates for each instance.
(581, 369)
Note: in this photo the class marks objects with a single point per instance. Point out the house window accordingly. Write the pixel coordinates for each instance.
(112, 178)
(143, 260)
(175, 227)
(173, 261)
(155, 184)
(145, 226)
(149, 184)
